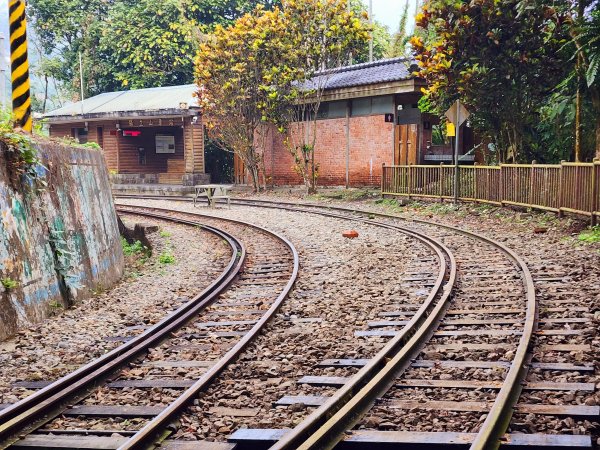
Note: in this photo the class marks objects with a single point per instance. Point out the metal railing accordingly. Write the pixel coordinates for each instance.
(564, 187)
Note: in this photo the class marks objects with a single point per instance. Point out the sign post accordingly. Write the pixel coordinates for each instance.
(19, 64)
(457, 114)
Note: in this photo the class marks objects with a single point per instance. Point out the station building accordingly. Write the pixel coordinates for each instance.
(148, 136)
(368, 117)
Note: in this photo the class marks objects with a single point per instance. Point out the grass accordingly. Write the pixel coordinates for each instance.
(590, 236)
(166, 257)
(9, 283)
(344, 194)
(164, 234)
(132, 249)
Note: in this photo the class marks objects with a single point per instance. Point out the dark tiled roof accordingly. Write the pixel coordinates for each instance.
(382, 71)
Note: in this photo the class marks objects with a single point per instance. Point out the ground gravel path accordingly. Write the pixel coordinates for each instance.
(342, 285)
(147, 292)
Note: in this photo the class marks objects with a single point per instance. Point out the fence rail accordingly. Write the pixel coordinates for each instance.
(565, 187)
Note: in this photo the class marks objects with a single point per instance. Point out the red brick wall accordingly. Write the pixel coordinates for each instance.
(371, 144)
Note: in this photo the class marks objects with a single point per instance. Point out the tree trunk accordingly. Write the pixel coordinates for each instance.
(595, 94)
(578, 108)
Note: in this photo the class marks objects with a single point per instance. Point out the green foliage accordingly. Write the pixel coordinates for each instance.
(21, 155)
(166, 257)
(9, 283)
(255, 72)
(125, 43)
(590, 236)
(132, 249)
(164, 234)
(502, 59)
(400, 39)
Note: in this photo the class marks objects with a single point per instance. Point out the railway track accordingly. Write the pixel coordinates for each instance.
(469, 384)
(163, 360)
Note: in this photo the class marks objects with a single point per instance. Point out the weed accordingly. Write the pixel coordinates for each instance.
(590, 236)
(164, 234)
(389, 203)
(442, 208)
(55, 305)
(132, 249)
(166, 257)
(9, 283)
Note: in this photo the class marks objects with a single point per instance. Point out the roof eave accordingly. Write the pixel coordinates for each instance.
(409, 85)
(118, 115)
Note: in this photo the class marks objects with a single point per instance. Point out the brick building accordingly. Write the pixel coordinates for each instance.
(369, 116)
(148, 135)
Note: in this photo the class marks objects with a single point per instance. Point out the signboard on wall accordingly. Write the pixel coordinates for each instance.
(165, 143)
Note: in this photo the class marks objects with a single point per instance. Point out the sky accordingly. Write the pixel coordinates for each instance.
(388, 12)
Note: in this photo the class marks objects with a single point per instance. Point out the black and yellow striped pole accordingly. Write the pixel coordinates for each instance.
(19, 65)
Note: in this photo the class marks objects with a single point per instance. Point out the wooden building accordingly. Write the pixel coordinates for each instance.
(148, 135)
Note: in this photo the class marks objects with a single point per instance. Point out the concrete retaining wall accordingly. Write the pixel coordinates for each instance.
(60, 243)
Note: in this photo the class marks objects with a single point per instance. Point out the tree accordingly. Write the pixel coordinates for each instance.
(157, 42)
(270, 67)
(502, 59)
(127, 43)
(585, 34)
(380, 33)
(232, 69)
(401, 37)
(321, 34)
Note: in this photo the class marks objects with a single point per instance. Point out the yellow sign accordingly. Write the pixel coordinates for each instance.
(450, 130)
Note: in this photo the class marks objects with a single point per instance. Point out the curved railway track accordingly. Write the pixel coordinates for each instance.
(257, 279)
(491, 327)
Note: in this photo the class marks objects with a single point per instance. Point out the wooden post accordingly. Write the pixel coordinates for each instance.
(382, 179)
(441, 178)
(560, 190)
(408, 180)
(594, 189)
(501, 187)
(531, 183)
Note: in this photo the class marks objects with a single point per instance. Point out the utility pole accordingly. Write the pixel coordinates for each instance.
(19, 65)
(371, 25)
(456, 139)
(81, 80)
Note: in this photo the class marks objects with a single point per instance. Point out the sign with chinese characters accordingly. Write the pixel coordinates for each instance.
(171, 122)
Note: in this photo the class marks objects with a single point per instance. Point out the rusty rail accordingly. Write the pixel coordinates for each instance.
(564, 187)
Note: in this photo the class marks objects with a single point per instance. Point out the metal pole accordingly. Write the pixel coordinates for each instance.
(19, 65)
(457, 138)
(371, 25)
(81, 80)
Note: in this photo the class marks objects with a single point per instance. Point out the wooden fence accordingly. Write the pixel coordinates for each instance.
(565, 187)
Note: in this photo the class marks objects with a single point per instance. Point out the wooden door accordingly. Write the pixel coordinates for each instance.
(239, 170)
(406, 144)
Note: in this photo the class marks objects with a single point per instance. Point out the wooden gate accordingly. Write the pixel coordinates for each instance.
(239, 170)
(405, 151)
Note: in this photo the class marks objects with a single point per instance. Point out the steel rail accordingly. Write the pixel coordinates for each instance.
(48, 402)
(152, 429)
(356, 397)
(498, 418)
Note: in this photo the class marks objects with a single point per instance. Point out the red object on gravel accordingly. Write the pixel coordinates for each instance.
(350, 234)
